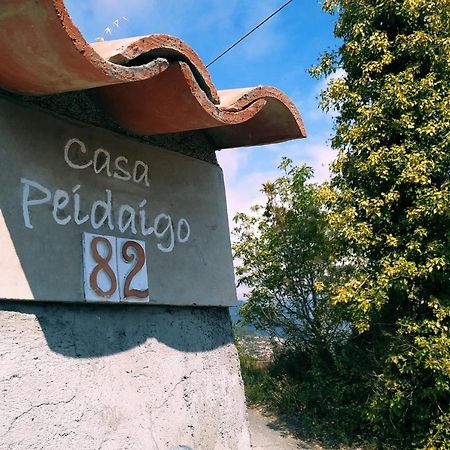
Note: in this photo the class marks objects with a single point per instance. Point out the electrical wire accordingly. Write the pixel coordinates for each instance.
(249, 33)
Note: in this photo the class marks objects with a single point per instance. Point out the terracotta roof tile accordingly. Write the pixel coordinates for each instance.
(149, 85)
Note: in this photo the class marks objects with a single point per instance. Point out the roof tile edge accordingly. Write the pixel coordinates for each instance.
(149, 85)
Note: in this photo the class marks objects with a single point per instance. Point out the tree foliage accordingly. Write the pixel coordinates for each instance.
(390, 203)
(377, 252)
(285, 251)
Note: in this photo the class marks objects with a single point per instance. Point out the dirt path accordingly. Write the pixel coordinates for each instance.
(268, 434)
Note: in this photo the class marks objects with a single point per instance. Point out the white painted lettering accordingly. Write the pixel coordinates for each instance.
(130, 222)
(101, 214)
(123, 172)
(164, 233)
(60, 201)
(107, 212)
(143, 177)
(102, 160)
(27, 202)
(69, 162)
(76, 214)
(183, 228)
(143, 219)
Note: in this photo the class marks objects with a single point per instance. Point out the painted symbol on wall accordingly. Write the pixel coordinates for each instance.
(115, 269)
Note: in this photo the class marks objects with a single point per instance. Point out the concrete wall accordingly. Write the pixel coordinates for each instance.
(41, 155)
(83, 376)
(119, 377)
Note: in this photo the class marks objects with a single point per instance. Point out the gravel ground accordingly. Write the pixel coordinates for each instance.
(268, 434)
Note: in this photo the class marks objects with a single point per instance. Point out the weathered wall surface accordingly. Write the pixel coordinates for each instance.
(60, 179)
(85, 376)
(119, 377)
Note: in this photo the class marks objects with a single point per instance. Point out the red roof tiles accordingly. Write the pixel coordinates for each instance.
(149, 85)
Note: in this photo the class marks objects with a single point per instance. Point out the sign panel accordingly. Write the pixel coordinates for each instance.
(88, 215)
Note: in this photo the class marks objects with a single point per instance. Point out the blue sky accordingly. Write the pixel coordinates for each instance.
(278, 54)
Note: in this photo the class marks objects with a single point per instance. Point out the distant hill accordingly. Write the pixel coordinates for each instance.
(236, 317)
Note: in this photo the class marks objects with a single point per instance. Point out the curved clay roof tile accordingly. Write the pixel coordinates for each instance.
(149, 85)
(135, 51)
(44, 53)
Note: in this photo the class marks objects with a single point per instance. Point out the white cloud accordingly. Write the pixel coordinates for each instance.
(315, 152)
(319, 157)
(242, 292)
(243, 188)
(242, 183)
(338, 75)
(231, 162)
(244, 177)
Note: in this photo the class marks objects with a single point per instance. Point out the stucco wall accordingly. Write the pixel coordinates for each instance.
(43, 232)
(119, 377)
(83, 376)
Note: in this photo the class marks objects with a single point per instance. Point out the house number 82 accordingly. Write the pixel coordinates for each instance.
(115, 269)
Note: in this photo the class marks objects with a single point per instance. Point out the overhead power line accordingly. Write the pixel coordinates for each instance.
(250, 32)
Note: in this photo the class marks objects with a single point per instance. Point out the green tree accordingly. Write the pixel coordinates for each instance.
(285, 249)
(390, 204)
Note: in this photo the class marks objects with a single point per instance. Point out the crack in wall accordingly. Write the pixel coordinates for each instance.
(183, 379)
(5, 380)
(40, 405)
